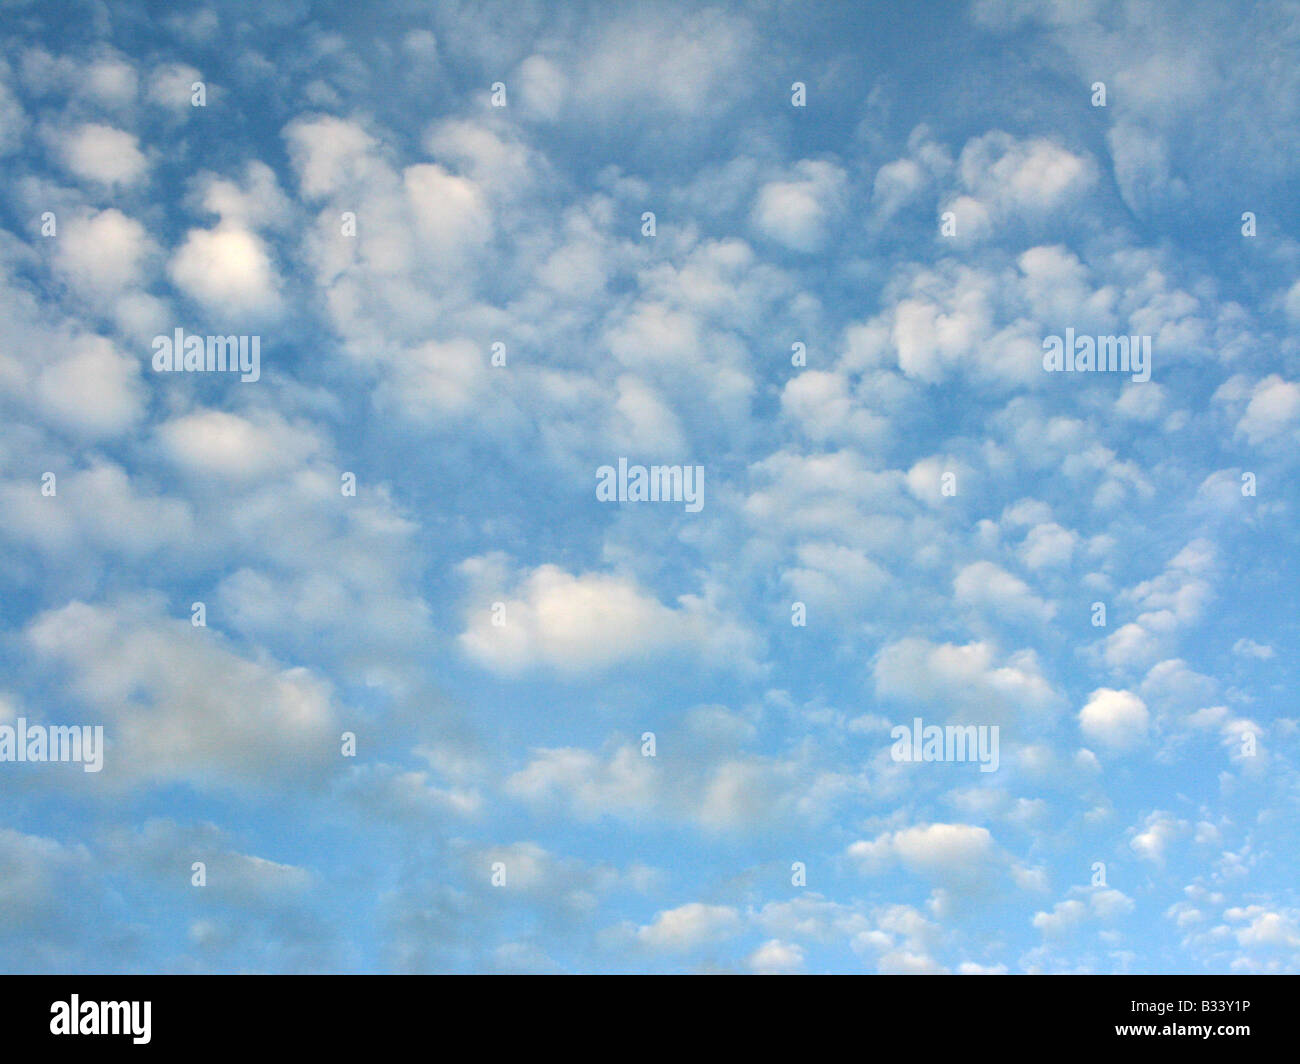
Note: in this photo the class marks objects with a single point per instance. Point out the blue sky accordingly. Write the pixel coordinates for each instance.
(519, 746)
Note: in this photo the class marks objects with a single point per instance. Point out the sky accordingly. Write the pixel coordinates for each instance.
(386, 685)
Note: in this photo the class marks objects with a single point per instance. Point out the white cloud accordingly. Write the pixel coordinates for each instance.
(98, 510)
(436, 379)
(228, 269)
(250, 202)
(949, 319)
(685, 67)
(450, 213)
(102, 253)
(580, 623)
(1157, 833)
(942, 850)
(33, 873)
(100, 154)
(625, 783)
(1048, 546)
(799, 211)
(990, 588)
(775, 957)
(1142, 169)
(1265, 928)
(1009, 179)
(179, 704)
(216, 443)
(171, 86)
(1250, 649)
(1104, 905)
(965, 679)
(542, 87)
(159, 846)
(1064, 916)
(330, 154)
(1171, 601)
(825, 409)
(1118, 719)
(93, 389)
(1273, 413)
(689, 927)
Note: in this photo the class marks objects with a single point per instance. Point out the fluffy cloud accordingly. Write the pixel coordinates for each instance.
(580, 623)
(964, 680)
(1152, 839)
(985, 586)
(93, 389)
(1273, 413)
(179, 703)
(228, 269)
(940, 850)
(215, 443)
(520, 743)
(799, 211)
(775, 957)
(1010, 180)
(104, 252)
(1102, 905)
(1118, 719)
(689, 927)
(101, 154)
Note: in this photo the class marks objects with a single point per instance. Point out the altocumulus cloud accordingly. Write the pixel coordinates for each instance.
(366, 645)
